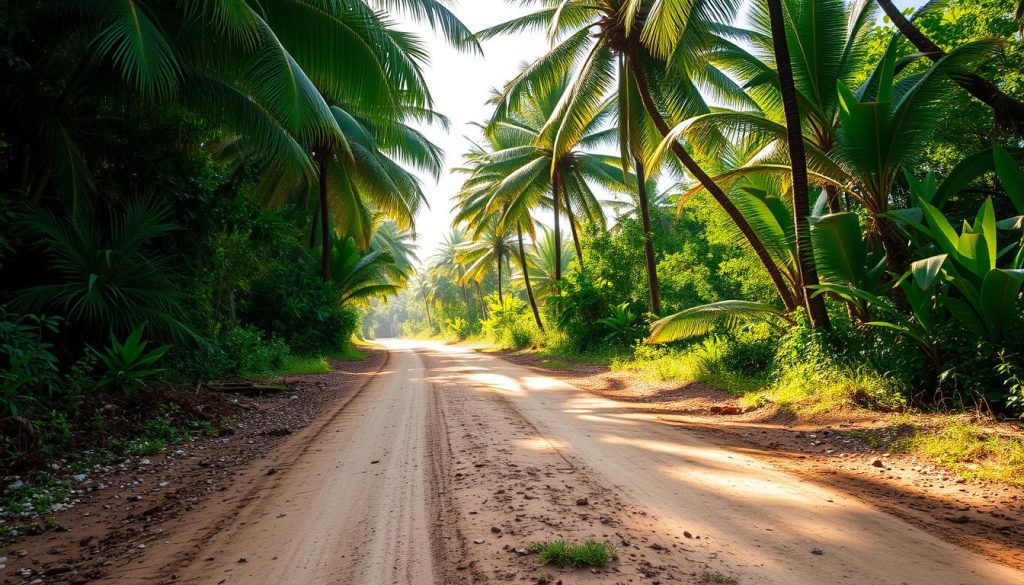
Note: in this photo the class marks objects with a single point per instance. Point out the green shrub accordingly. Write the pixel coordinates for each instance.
(510, 325)
(30, 369)
(250, 355)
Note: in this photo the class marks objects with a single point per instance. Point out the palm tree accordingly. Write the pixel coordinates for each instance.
(829, 35)
(527, 164)
(493, 246)
(257, 68)
(360, 275)
(542, 261)
(863, 165)
(446, 262)
(277, 79)
(526, 278)
(1009, 112)
(798, 161)
(638, 138)
(598, 34)
(364, 179)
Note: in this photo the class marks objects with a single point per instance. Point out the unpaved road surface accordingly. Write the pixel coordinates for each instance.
(450, 462)
(354, 507)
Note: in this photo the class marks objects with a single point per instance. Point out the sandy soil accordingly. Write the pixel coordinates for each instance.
(448, 463)
(982, 516)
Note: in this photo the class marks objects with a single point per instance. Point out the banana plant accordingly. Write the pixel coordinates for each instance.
(988, 296)
(844, 259)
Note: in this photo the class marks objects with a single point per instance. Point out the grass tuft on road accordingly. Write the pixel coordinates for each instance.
(716, 578)
(589, 554)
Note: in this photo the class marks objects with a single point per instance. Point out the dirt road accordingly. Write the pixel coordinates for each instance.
(450, 462)
(354, 507)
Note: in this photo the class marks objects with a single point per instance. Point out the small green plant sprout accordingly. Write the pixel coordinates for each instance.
(560, 553)
(127, 365)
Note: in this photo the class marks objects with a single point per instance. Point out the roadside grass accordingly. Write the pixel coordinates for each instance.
(804, 389)
(704, 362)
(39, 496)
(814, 389)
(157, 433)
(300, 365)
(348, 353)
(294, 365)
(588, 554)
(965, 448)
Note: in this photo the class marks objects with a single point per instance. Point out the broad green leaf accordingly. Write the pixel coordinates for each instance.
(966, 314)
(839, 250)
(985, 224)
(1011, 223)
(1011, 176)
(1000, 296)
(925, 271)
(943, 233)
(962, 175)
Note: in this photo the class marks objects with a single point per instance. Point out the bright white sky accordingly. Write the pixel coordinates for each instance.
(461, 84)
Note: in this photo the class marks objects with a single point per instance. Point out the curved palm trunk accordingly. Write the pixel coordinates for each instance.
(572, 230)
(798, 161)
(526, 279)
(325, 234)
(645, 218)
(1009, 112)
(558, 232)
(723, 200)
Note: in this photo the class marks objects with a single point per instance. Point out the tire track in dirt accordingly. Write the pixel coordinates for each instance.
(512, 431)
(353, 507)
(512, 486)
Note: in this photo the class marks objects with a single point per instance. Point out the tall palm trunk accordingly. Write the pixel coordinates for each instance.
(645, 218)
(1009, 112)
(526, 279)
(314, 225)
(501, 298)
(480, 296)
(325, 234)
(798, 162)
(426, 306)
(572, 229)
(558, 232)
(716, 192)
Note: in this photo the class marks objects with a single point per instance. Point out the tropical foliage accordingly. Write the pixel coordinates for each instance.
(805, 148)
(194, 190)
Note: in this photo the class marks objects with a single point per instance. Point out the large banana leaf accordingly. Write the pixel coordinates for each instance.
(839, 249)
